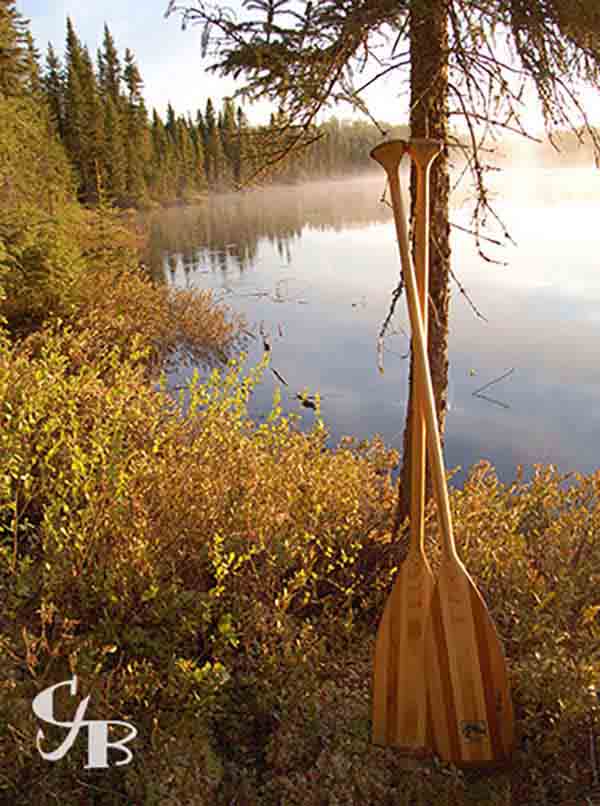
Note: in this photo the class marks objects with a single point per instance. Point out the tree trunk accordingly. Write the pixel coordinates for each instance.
(429, 118)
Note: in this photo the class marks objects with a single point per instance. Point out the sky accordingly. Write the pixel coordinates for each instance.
(170, 60)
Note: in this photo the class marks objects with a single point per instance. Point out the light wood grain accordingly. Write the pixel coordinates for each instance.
(399, 692)
(469, 697)
(468, 694)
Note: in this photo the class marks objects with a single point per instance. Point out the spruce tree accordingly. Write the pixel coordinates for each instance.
(136, 130)
(109, 68)
(227, 127)
(171, 123)
(244, 165)
(185, 160)
(159, 156)
(199, 163)
(162, 175)
(191, 127)
(210, 129)
(83, 118)
(14, 70)
(74, 107)
(201, 127)
(210, 120)
(32, 62)
(221, 169)
(92, 135)
(53, 84)
(159, 137)
(198, 146)
(115, 157)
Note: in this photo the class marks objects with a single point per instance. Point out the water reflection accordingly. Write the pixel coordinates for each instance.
(313, 268)
(223, 233)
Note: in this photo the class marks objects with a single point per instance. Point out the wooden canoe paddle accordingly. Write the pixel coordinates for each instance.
(468, 694)
(399, 692)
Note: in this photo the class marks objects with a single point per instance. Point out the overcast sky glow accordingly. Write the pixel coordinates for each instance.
(170, 62)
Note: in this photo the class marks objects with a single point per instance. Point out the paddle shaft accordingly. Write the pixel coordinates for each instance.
(388, 158)
(423, 152)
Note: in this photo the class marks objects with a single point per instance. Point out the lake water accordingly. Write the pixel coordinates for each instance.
(312, 268)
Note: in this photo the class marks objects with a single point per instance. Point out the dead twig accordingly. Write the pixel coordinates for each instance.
(492, 400)
(279, 377)
(463, 291)
(396, 294)
(491, 383)
(472, 232)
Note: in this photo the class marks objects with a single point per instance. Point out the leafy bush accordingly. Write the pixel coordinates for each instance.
(80, 268)
(131, 537)
(218, 583)
(170, 323)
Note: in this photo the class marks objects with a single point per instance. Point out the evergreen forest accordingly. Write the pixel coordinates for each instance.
(125, 154)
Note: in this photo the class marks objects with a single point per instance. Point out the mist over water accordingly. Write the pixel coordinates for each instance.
(313, 267)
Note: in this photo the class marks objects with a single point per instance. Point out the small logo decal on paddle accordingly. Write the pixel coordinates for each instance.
(473, 731)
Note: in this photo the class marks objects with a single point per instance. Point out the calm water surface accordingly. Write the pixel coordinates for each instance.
(312, 268)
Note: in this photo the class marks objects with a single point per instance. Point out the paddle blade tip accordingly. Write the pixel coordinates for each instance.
(399, 690)
(468, 690)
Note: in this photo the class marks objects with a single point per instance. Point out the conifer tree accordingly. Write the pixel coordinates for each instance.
(92, 134)
(109, 68)
(185, 159)
(227, 127)
(171, 123)
(199, 162)
(14, 70)
(193, 131)
(198, 146)
(83, 118)
(163, 176)
(54, 89)
(201, 127)
(158, 177)
(211, 158)
(210, 120)
(74, 106)
(115, 157)
(136, 130)
(246, 157)
(32, 63)
(221, 168)
(159, 136)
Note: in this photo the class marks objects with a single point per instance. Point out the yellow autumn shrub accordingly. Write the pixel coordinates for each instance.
(218, 582)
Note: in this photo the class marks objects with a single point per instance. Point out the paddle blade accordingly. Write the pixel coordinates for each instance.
(399, 692)
(469, 702)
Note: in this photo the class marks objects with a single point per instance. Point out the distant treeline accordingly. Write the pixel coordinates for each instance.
(569, 147)
(124, 154)
(127, 156)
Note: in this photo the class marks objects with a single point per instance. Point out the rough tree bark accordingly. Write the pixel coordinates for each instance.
(429, 118)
